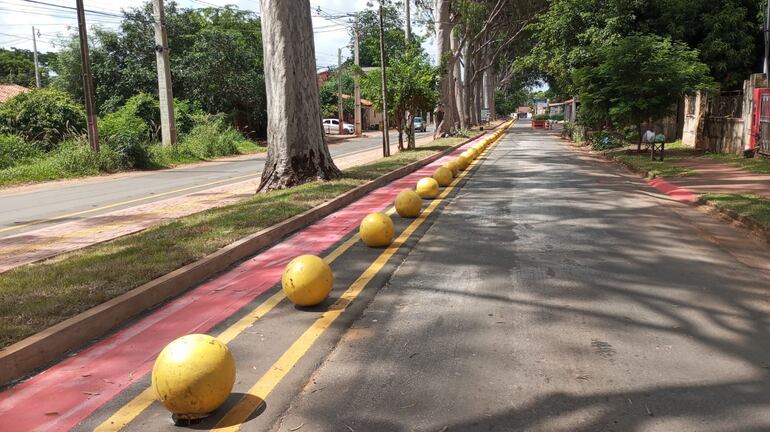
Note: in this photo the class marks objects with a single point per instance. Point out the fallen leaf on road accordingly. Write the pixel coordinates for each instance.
(583, 377)
(52, 413)
(649, 413)
(297, 428)
(350, 428)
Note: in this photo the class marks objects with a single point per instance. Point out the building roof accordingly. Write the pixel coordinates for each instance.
(8, 91)
(364, 102)
(523, 109)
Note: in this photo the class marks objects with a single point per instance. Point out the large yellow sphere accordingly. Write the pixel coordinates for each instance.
(462, 162)
(376, 230)
(452, 165)
(427, 188)
(193, 375)
(307, 280)
(408, 204)
(448, 166)
(443, 176)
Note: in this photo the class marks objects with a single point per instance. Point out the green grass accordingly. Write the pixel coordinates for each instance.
(753, 207)
(36, 296)
(757, 164)
(52, 167)
(641, 163)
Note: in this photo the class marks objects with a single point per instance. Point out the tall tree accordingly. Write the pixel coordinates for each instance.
(297, 150)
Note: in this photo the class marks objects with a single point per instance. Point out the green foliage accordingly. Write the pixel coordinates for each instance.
(726, 35)
(411, 84)
(216, 61)
(630, 79)
(126, 134)
(540, 117)
(602, 140)
(511, 97)
(14, 150)
(369, 35)
(556, 117)
(328, 94)
(42, 115)
(211, 138)
(17, 66)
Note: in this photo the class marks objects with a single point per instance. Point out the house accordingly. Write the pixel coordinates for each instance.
(8, 91)
(523, 112)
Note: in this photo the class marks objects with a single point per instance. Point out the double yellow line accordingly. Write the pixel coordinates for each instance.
(255, 396)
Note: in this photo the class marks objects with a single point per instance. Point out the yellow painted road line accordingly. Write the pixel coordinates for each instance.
(136, 406)
(117, 204)
(135, 200)
(256, 395)
(142, 401)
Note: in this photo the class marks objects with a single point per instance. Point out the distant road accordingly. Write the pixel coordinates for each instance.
(39, 206)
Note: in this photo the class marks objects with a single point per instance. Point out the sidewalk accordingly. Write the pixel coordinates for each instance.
(51, 241)
(718, 177)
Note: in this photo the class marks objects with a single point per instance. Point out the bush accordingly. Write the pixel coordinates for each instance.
(211, 137)
(15, 151)
(42, 116)
(540, 117)
(145, 107)
(75, 158)
(602, 140)
(187, 114)
(556, 117)
(125, 134)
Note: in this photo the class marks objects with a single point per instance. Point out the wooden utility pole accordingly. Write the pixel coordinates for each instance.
(34, 50)
(165, 93)
(88, 83)
(356, 81)
(339, 92)
(385, 136)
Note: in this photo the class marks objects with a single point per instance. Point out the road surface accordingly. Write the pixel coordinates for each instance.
(546, 291)
(38, 206)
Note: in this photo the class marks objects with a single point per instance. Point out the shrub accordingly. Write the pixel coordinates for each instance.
(556, 117)
(540, 117)
(14, 151)
(211, 137)
(125, 134)
(186, 115)
(75, 158)
(145, 107)
(602, 140)
(42, 116)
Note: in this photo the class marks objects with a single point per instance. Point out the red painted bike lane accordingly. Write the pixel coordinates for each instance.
(62, 396)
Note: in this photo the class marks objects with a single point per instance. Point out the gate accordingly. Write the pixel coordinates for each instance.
(764, 124)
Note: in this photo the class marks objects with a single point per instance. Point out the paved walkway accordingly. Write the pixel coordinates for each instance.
(54, 240)
(719, 177)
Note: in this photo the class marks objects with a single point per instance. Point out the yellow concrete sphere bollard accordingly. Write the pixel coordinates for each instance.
(468, 154)
(427, 188)
(376, 230)
(462, 162)
(408, 204)
(193, 376)
(307, 280)
(448, 166)
(443, 176)
(452, 165)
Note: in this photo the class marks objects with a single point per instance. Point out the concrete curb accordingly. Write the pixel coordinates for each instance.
(43, 348)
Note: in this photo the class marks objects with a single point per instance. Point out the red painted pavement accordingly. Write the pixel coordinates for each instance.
(676, 192)
(62, 396)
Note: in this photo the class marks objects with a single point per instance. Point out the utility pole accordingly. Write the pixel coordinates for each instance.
(385, 136)
(356, 82)
(339, 92)
(766, 63)
(165, 94)
(88, 83)
(34, 50)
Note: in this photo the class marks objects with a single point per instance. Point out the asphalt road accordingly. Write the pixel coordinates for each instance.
(555, 293)
(26, 210)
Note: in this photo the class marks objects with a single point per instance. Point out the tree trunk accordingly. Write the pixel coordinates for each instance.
(458, 82)
(401, 133)
(297, 150)
(410, 144)
(445, 108)
(491, 88)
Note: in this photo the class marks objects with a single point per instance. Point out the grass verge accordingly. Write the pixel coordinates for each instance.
(641, 163)
(757, 164)
(751, 207)
(40, 295)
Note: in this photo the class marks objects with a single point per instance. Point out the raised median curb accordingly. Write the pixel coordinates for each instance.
(49, 345)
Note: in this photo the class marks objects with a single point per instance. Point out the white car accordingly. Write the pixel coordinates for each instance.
(332, 126)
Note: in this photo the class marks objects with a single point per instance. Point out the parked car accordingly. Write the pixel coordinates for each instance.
(420, 125)
(332, 126)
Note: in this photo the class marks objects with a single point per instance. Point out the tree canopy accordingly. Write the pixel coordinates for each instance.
(216, 60)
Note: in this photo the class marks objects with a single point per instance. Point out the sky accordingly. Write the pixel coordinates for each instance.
(18, 16)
